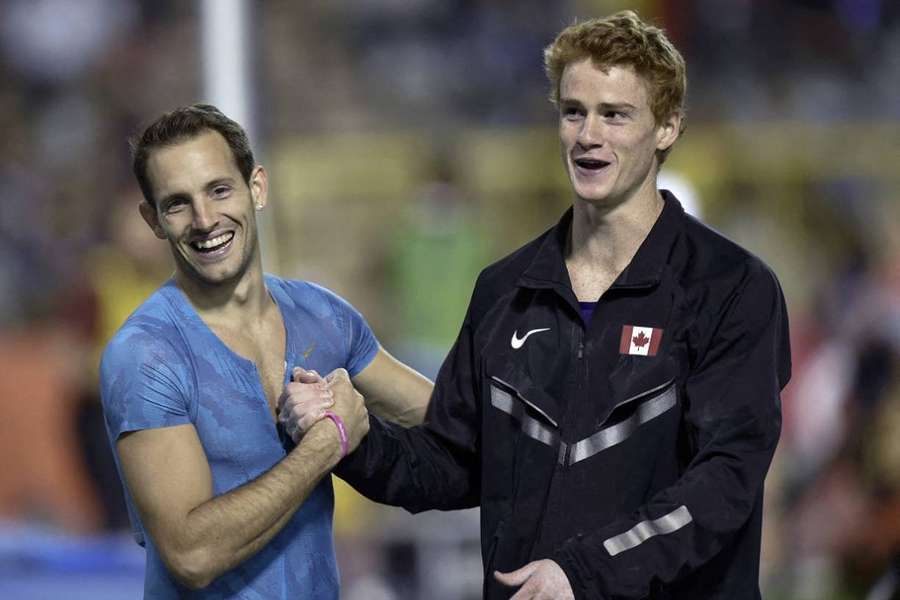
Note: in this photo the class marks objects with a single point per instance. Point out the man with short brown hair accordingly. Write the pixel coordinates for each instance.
(226, 505)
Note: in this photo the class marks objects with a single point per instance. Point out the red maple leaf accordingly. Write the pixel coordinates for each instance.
(640, 340)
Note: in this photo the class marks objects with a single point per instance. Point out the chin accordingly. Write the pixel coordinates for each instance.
(593, 196)
(209, 275)
(590, 192)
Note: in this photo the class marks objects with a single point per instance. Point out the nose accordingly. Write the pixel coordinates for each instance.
(204, 216)
(590, 134)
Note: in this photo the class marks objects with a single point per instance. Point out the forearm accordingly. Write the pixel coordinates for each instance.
(393, 391)
(402, 400)
(226, 530)
(411, 468)
(397, 409)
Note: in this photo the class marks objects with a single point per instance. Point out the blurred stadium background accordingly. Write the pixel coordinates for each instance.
(410, 143)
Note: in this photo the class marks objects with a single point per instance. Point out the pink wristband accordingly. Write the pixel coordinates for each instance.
(342, 431)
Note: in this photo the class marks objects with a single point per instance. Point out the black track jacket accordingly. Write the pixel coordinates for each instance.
(631, 451)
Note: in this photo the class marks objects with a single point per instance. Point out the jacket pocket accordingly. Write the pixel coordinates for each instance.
(624, 407)
(492, 549)
(525, 424)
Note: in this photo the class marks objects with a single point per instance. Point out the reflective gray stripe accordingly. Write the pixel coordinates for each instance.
(530, 426)
(614, 434)
(534, 406)
(645, 393)
(645, 530)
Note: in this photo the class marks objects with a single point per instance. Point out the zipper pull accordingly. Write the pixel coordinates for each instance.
(563, 458)
(581, 349)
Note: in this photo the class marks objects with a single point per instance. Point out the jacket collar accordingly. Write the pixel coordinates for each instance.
(548, 267)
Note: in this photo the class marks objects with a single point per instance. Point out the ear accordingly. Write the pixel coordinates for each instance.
(152, 219)
(259, 187)
(668, 132)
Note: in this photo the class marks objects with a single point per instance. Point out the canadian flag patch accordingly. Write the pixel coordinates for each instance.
(642, 341)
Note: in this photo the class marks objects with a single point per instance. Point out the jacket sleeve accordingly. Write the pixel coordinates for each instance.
(433, 465)
(732, 412)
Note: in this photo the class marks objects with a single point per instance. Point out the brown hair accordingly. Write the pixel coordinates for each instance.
(623, 39)
(182, 124)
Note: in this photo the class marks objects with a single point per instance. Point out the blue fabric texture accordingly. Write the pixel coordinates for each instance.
(587, 311)
(165, 367)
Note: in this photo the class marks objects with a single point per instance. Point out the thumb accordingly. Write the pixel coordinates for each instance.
(301, 375)
(517, 577)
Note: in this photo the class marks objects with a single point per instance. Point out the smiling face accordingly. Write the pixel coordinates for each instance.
(205, 209)
(608, 135)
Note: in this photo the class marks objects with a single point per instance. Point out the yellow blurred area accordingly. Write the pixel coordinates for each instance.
(354, 186)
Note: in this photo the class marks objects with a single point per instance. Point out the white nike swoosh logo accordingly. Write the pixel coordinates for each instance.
(516, 341)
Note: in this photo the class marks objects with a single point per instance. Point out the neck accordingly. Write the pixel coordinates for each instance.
(240, 299)
(609, 236)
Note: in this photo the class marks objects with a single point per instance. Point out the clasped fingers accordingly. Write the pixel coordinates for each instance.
(301, 405)
(349, 405)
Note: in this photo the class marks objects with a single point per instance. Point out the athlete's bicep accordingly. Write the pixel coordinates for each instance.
(394, 391)
(168, 475)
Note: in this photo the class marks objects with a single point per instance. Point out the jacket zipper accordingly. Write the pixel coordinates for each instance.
(557, 481)
(580, 375)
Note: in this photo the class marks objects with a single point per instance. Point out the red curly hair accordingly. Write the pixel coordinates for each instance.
(623, 39)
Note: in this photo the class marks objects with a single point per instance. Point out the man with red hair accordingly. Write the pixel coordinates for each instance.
(612, 402)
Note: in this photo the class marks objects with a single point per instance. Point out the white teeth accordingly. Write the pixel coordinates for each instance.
(212, 243)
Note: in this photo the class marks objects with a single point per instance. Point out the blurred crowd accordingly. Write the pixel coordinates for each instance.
(410, 143)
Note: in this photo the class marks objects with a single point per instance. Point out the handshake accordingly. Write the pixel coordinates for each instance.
(309, 398)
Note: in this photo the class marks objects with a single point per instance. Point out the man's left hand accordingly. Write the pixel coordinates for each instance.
(539, 580)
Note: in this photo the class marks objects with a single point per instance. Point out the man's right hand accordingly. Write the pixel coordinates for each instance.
(201, 535)
(349, 406)
(303, 402)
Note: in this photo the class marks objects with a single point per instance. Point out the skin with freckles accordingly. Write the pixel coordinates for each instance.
(609, 140)
(605, 115)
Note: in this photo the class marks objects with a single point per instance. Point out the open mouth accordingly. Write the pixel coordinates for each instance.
(590, 164)
(212, 245)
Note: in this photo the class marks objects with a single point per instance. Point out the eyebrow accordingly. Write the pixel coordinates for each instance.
(169, 198)
(602, 105)
(210, 185)
(220, 181)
